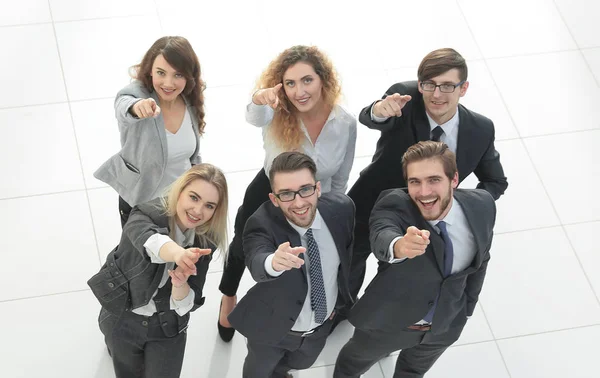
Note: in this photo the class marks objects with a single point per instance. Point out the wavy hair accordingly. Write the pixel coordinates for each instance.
(285, 126)
(215, 230)
(178, 52)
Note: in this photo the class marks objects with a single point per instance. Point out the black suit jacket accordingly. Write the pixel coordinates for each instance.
(475, 150)
(402, 293)
(270, 308)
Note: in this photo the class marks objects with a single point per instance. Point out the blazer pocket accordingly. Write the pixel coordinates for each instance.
(110, 289)
(127, 174)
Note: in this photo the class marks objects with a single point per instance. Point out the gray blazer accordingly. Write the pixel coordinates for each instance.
(402, 293)
(136, 171)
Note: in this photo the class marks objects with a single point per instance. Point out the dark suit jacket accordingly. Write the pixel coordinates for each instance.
(475, 150)
(402, 293)
(269, 310)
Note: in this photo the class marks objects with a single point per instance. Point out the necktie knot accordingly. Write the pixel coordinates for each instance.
(436, 133)
(442, 226)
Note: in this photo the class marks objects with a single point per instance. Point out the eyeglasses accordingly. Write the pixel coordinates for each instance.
(288, 196)
(444, 88)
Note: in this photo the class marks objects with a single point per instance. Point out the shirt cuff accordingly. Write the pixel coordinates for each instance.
(269, 267)
(392, 259)
(183, 306)
(153, 246)
(374, 118)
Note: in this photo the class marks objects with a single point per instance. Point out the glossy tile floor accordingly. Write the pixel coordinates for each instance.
(534, 69)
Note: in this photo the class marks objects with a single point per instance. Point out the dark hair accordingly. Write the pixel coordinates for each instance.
(178, 52)
(440, 61)
(430, 150)
(292, 162)
(285, 126)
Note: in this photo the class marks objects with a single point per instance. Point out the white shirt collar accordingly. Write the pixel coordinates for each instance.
(448, 126)
(316, 224)
(451, 217)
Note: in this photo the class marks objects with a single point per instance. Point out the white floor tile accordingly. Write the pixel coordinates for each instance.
(61, 254)
(46, 158)
(69, 10)
(500, 31)
(29, 81)
(484, 98)
(526, 96)
(468, 361)
(525, 203)
(577, 154)
(97, 54)
(580, 16)
(476, 330)
(592, 56)
(26, 12)
(327, 371)
(107, 223)
(64, 330)
(580, 236)
(97, 136)
(572, 353)
(521, 294)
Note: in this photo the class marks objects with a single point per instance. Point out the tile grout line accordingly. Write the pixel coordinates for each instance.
(44, 295)
(160, 25)
(87, 196)
(495, 339)
(562, 18)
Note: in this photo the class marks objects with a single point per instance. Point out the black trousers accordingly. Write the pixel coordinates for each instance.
(256, 194)
(419, 352)
(360, 254)
(124, 211)
(293, 352)
(139, 347)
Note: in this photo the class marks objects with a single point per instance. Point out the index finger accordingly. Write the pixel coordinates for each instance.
(277, 87)
(297, 250)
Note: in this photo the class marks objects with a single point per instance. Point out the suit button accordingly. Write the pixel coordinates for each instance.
(145, 323)
(111, 264)
(430, 304)
(164, 324)
(161, 313)
(111, 285)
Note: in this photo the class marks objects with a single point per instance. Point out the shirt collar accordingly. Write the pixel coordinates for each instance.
(448, 126)
(185, 238)
(451, 217)
(316, 224)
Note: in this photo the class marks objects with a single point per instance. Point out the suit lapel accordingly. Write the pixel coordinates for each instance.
(463, 141)
(471, 216)
(422, 124)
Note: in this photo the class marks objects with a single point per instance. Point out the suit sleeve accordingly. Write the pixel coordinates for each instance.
(490, 173)
(126, 98)
(258, 245)
(385, 224)
(197, 282)
(365, 114)
(140, 227)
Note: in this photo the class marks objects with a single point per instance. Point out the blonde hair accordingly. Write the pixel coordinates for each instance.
(215, 230)
(285, 126)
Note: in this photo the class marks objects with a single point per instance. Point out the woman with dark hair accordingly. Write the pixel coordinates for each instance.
(153, 280)
(296, 105)
(160, 117)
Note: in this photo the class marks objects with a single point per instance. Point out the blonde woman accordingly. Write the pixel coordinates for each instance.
(296, 106)
(154, 278)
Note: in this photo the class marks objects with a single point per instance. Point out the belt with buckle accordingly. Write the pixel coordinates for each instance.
(420, 327)
(307, 333)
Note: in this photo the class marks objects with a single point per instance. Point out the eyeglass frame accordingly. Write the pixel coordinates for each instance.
(296, 192)
(421, 84)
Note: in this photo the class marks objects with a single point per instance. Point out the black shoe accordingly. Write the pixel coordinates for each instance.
(225, 333)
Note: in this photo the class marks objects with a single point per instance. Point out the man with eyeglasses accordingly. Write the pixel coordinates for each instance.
(297, 248)
(413, 111)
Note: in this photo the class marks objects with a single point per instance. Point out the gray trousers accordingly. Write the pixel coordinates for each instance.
(139, 347)
(293, 352)
(419, 352)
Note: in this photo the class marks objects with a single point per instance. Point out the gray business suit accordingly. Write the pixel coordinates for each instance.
(401, 294)
(136, 171)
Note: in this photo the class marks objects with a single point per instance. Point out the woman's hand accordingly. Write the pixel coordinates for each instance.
(267, 96)
(146, 108)
(178, 277)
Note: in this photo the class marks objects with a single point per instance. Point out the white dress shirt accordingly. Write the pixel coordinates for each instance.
(450, 135)
(152, 246)
(333, 152)
(330, 262)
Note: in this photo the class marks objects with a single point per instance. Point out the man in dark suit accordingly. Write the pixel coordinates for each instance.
(433, 244)
(297, 247)
(413, 111)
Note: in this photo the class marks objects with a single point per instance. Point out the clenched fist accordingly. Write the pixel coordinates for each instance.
(412, 244)
(286, 257)
(267, 96)
(391, 106)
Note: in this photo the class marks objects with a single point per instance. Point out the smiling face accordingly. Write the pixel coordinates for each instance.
(441, 107)
(168, 83)
(300, 211)
(430, 189)
(303, 87)
(196, 204)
